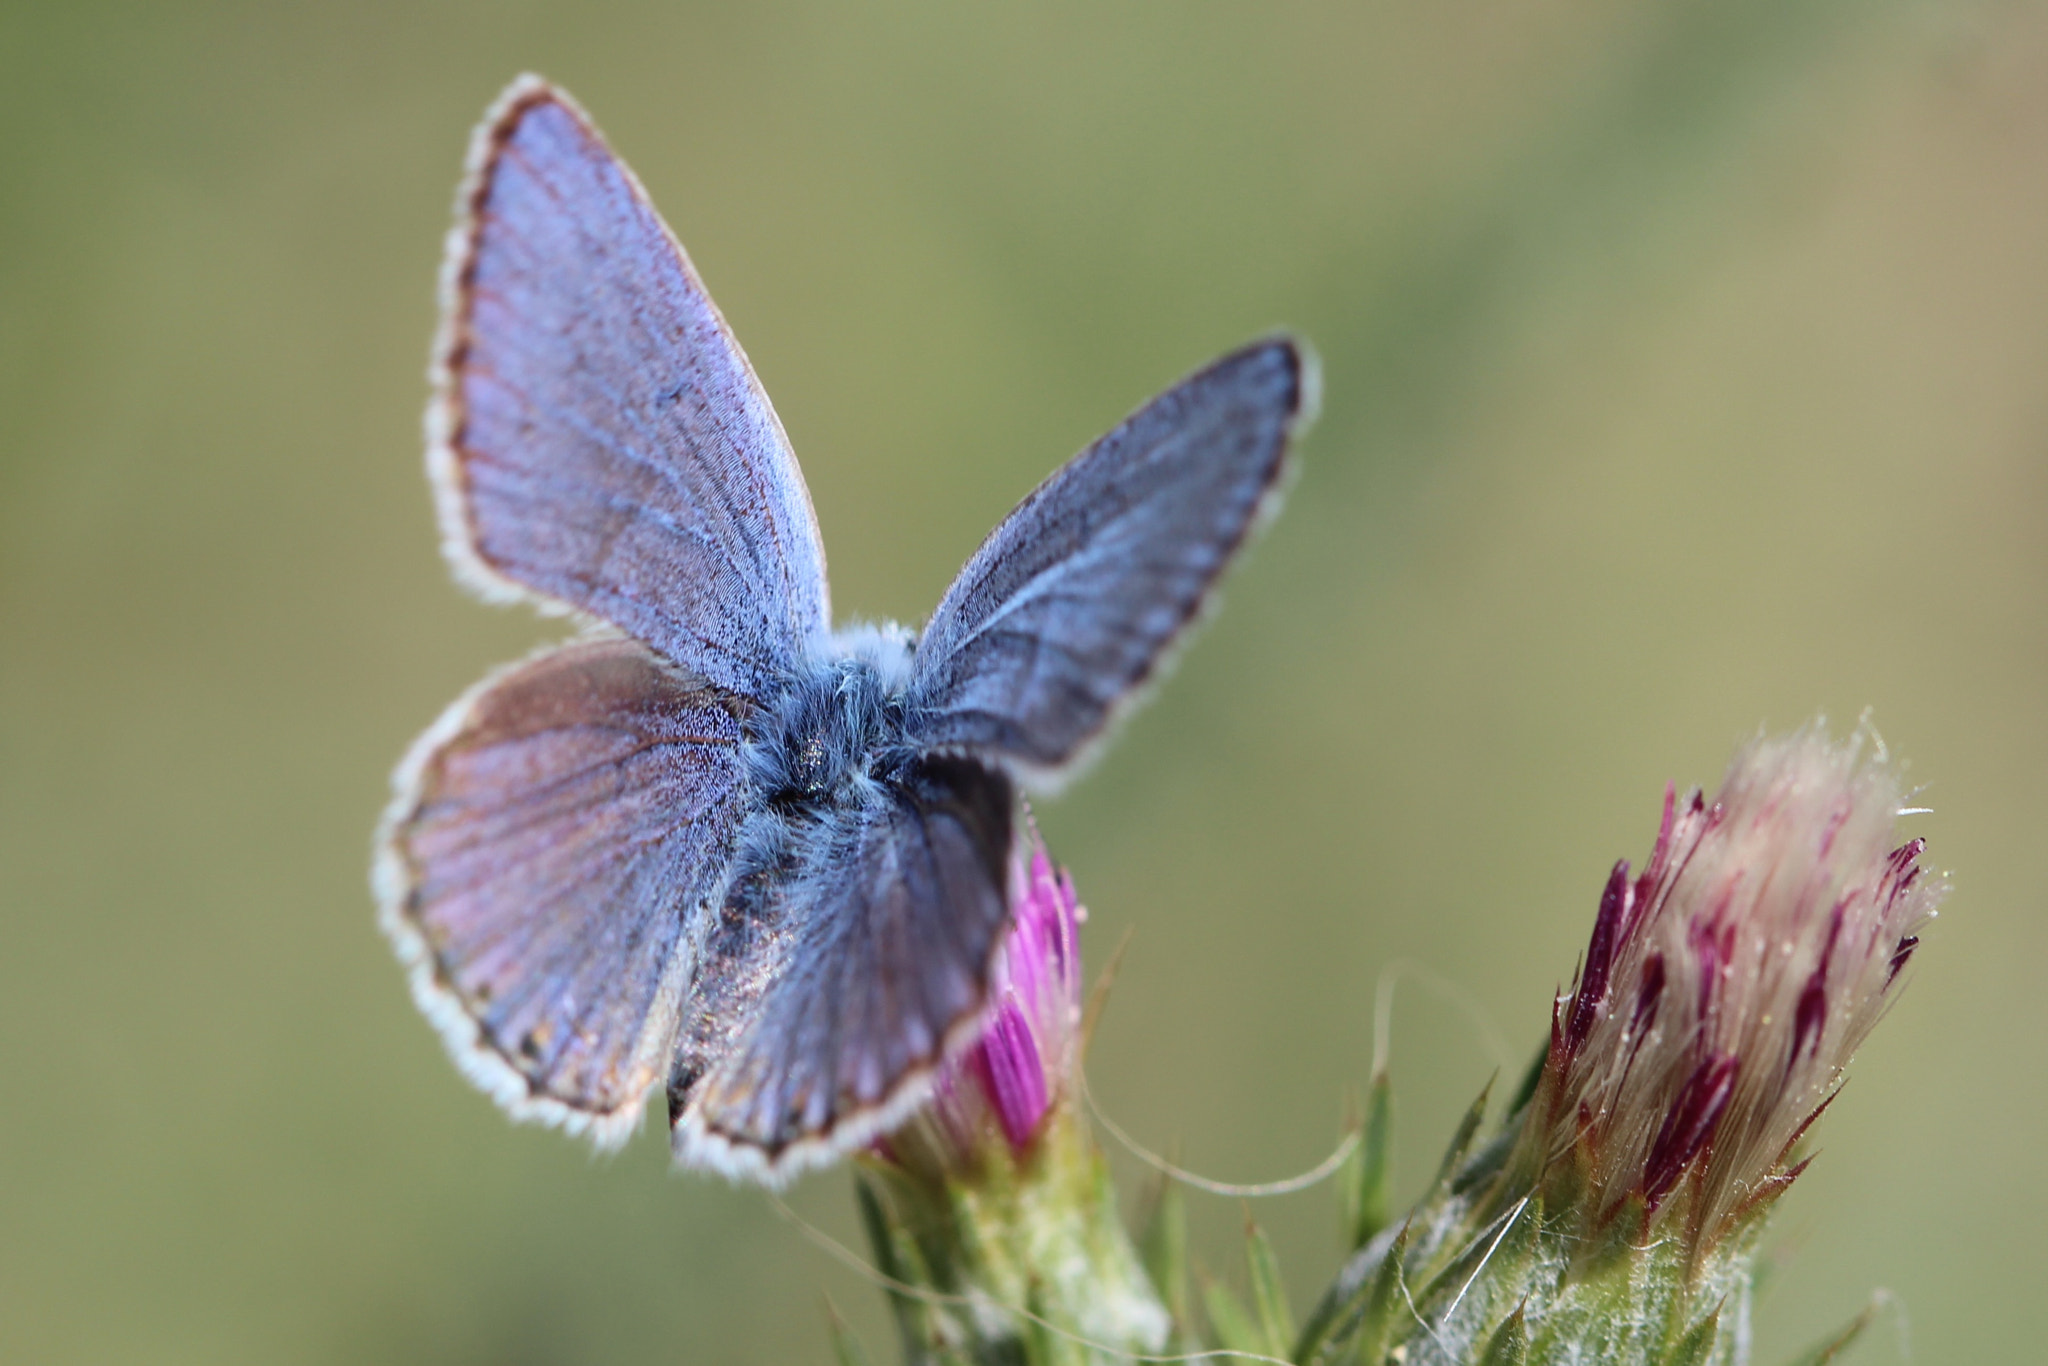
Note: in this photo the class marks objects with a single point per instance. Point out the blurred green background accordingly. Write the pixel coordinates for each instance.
(1686, 370)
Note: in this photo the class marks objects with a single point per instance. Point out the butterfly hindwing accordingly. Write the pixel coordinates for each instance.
(551, 842)
(1068, 606)
(598, 438)
(829, 991)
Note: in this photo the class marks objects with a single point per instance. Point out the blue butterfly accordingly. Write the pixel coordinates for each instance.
(710, 844)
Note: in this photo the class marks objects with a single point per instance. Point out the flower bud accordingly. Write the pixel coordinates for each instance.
(1616, 1214)
(1727, 984)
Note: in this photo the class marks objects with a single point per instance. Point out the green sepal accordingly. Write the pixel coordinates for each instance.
(1230, 1323)
(1382, 1303)
(1020, 1260)
(1487, 1163)
(1829, 1348)
(1509, 1345)
(1359, 1305)
(1269, 1291)
(890, 1254)
(1461, 1142)
(1696, 1348)
(1041, 1345)
(1337, 1314)
(846, 1348)
(1163, 1248)
(1367, 1178)
(1618, 1243)
(1492, 1267)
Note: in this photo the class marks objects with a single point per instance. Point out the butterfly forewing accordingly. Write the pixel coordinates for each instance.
(551, 841)
(1070, 603)
(598, 436)
(828, 993)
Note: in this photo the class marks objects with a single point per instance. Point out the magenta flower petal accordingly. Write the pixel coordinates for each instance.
(1011, 1069)
(1010, 1078)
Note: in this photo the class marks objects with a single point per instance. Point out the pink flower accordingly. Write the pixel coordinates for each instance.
(1727, 985)
(1009, 1080)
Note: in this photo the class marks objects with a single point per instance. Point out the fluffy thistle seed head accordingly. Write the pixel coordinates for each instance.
(1727, 985)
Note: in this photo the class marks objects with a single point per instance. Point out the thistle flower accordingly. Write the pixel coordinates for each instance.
(1615, 1214)
(993, 1199)
(1002, 1088)
(1726, 985)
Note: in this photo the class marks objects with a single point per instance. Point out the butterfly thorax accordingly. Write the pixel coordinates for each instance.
(837, 732)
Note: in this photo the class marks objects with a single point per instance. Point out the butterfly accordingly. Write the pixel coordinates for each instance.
(710, 844)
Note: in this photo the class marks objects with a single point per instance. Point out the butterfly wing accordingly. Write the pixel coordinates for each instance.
(1070, 604)
(829, 991)
(552, 839)
(597, 439)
